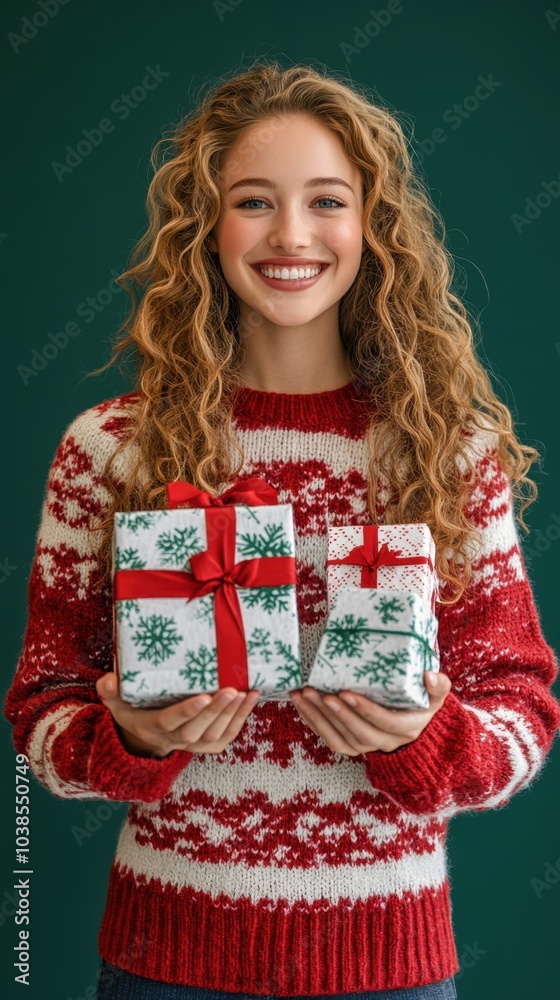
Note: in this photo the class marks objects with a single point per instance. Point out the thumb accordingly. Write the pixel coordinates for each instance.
(107, 687)
(438, 686)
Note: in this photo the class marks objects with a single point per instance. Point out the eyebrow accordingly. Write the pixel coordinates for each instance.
(265, 182)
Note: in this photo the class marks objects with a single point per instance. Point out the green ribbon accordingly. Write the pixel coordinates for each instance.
(427, 649)
(428, 652)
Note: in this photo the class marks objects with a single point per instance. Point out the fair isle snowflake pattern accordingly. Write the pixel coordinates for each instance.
(201, 670)
(129, 558)
(128, 676)
(203, 609)
(383, 668)
(126, 610)
(390, 608)
(260, 641)
(290, 669)
(156, 638)
(178, 545)
(167, 647)
(272, 541)
(378, 642)
(346, 636)
(135, 521)
(270, 599)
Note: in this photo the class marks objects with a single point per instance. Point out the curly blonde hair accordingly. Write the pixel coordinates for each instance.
(405, 334)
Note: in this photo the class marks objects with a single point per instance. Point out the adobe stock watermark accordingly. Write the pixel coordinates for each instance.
(93, 137)
(470, 955)
(139, 945)
(553, 18)
(535, 206)
(379, 19)
(31, 26)
(458, 113)
(224, 7)
(543, 539)
(94, 820)
(6, 569)
(56, 342)
(8, 906)
(551, 876)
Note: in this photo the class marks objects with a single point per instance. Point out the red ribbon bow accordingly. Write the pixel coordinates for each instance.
(370, 556)
(215, 570)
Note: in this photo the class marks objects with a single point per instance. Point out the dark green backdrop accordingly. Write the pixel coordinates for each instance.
(64, 236)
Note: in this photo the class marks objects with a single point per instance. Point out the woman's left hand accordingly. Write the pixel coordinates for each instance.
(367, 726)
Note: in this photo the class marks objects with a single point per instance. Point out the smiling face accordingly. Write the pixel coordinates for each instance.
(290, 199)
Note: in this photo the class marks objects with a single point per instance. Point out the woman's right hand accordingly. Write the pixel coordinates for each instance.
(205, 723)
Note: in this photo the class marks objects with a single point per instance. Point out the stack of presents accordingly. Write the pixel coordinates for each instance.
(204, 597)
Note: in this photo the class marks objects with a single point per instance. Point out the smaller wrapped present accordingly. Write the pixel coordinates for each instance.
(204, 596)
(378, 643)
(391, 556)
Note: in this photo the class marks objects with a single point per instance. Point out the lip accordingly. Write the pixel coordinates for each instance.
(290, 262)
(298, 284)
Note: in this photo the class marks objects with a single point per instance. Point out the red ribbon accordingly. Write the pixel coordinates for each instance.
(370, 556)
(253, 492)
(215, 571)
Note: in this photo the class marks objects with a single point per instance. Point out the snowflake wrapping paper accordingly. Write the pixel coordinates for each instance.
(168, 648)
(382, 556)
(378, 642)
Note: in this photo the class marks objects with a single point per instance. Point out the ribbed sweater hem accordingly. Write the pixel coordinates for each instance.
(190, 938)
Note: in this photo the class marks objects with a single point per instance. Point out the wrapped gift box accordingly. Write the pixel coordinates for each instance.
(378, 642)
(204, 596)
(388, 556)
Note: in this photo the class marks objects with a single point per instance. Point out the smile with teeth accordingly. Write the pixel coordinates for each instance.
(289, 274)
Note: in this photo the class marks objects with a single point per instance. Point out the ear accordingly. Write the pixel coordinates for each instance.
(211, 244)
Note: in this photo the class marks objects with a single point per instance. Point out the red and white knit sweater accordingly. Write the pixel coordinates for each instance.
(279, 866)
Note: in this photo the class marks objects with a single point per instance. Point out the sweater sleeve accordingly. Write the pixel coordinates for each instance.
(496, 726)
(60, 723)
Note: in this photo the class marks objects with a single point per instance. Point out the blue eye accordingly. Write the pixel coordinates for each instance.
(335, 201)
(243, 204)
(246, 201)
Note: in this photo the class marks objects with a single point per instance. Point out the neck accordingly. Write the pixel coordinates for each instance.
(310, 378)
(294, 360)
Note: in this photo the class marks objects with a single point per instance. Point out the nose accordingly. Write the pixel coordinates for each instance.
(289, 230)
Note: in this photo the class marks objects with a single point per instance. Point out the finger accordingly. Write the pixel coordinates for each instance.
(208, 706)
(106, 685)
(358, 732)
(214, 729)
(150, 721)
(229, 722)
(365, 736)
(438, 686)
(321, 726)
(367, 716)
(399, 722)
(211, 723)
(108, 691)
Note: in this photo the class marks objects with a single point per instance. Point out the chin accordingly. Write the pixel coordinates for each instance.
(291, 320)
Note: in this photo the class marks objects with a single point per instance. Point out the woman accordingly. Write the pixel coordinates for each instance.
(298, 325)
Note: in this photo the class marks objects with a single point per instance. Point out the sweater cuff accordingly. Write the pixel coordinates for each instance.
(419, 774)
(123, 776)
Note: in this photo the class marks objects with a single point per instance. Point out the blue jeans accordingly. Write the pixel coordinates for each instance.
(116, 984)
